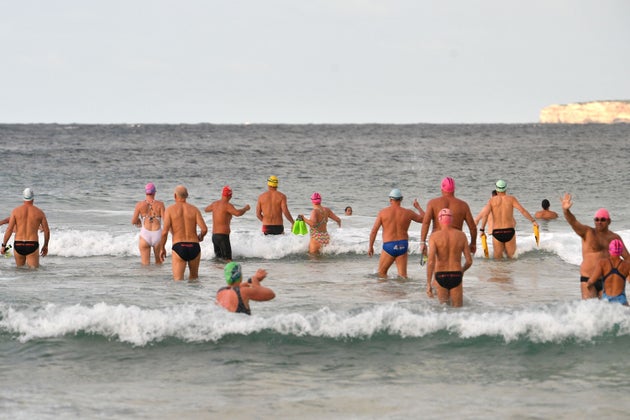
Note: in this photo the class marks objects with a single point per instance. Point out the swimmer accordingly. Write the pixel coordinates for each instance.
(545, 213)
(595, 242)
(236, 296)
(148, 216)
(222, 212)
(501, 207)
(459, 208)
(182, 220)
(26, 221)
(318, 224)
(271, 205)
(444, 266)
(395, 221)
(613, 272)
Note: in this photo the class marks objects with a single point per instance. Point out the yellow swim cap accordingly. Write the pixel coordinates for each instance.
(272, 181)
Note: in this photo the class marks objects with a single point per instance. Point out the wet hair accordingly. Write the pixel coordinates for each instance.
(545, 204)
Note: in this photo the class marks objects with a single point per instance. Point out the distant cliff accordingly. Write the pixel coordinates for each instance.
(599, 112)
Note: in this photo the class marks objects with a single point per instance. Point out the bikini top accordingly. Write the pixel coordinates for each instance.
(151, 215)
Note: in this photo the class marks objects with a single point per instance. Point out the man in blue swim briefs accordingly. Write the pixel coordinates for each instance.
(182, 219)
(595, 241)
(446, 246)
(395, 221)
(270, 207)
(501, 207)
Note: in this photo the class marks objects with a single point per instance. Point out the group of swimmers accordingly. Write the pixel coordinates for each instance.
(603, 271)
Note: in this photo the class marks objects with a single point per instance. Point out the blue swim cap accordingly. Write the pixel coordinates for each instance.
(233, 273)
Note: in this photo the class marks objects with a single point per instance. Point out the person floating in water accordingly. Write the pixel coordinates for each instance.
(236, 295)
(545, 213)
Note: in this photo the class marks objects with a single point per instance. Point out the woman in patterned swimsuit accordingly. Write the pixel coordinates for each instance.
(317, 223)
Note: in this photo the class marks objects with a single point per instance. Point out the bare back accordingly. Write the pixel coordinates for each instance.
(25, 222)
(182, 220)
(459, 209)
(222, 212)
(149, 214)
(502, 209)
(449, 245)
(270, 207)
(395, 221)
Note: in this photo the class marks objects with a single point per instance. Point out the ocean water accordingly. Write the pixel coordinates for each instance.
(93, 334)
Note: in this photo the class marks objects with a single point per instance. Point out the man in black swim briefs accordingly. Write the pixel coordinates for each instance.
(446, 246)
(182, 220)
(501, 208)
(271, 205)
(25, 221)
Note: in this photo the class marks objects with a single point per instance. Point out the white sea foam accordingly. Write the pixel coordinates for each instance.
(253, 244)
(578, 320)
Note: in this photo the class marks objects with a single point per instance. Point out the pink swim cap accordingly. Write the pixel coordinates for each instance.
(602, 213)
(316, 198)
(615, 247)
(149, 188)
(448, 184)
(445, 216)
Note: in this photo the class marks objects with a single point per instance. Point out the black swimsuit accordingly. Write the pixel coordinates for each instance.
(449, 279)
(241, 308)
(25, 247)
(503, 235)
(187, 251)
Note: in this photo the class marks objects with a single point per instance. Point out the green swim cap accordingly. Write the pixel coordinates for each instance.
(232, 273)
(501, 185)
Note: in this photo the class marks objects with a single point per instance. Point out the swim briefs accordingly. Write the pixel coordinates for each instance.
(503, 235)
(25, 247)
(449, 279)
(187, 251)
(599, 284)
(222, 247)
(396, 248)
(273, 229)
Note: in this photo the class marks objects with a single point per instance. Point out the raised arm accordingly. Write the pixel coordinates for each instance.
(578, 227)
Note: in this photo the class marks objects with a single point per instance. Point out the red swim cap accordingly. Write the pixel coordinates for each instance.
(227, 191)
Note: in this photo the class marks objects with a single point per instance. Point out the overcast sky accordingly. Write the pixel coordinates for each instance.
(308, 61)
